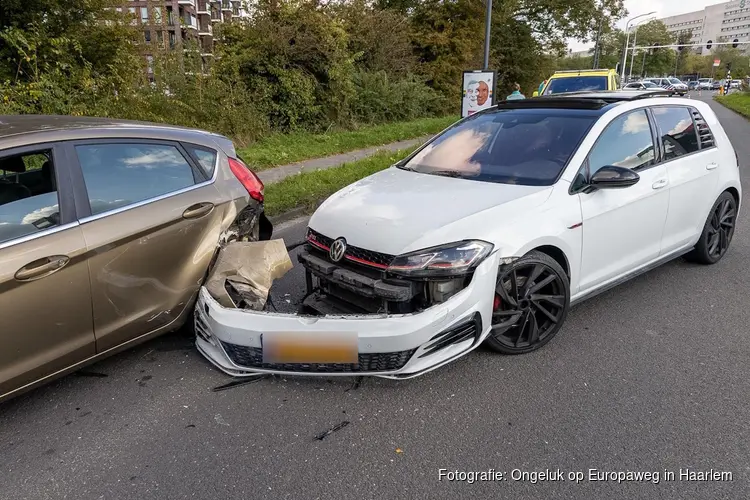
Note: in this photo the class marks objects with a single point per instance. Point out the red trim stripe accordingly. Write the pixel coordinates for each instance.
(348, 257)
(366, 262)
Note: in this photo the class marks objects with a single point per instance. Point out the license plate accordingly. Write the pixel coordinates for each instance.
(310, 347)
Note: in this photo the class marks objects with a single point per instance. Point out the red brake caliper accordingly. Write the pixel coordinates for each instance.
(496, 303)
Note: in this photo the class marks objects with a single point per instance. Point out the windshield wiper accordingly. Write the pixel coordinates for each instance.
(446, 173)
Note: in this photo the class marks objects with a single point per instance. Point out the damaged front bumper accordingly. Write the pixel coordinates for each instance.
(389, 345)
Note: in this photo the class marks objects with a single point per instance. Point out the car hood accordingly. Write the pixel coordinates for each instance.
(396, 211)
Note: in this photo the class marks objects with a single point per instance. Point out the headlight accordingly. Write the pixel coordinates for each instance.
(444, 260)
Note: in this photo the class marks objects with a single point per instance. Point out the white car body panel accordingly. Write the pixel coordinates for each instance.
(606, 236)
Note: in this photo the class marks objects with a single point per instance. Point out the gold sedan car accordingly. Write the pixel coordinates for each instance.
(107, 231)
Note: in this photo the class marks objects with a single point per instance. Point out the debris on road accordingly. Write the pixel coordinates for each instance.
(355, 385)
(237, 383)
(337, 427)
(245, 271)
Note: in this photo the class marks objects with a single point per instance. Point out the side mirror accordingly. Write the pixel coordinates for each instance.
(535, 94)
(613, 177)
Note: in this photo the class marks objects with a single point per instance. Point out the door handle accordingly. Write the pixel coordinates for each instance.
(197, 210)
(659, 184)
(41, 268)
(712, 166)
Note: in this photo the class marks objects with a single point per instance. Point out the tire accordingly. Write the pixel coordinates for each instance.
(524, 318)
(717, 232)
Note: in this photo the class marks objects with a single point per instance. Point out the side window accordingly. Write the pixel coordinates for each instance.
(626, 142)
(28, 194)
(206, 158)
(117, 175)
(677, 132)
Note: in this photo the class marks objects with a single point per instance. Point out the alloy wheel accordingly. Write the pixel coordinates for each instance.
(721, 228)
(530, 305)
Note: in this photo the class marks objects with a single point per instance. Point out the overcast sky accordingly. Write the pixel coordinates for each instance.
(663, 8)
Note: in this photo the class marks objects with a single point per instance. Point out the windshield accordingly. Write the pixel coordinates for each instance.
(511, 146)
(674, 80)
(576, 84)
(704, 80)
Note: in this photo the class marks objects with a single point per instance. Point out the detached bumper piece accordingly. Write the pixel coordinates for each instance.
(252, 357)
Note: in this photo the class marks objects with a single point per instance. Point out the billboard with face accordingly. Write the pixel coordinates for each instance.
(478, 90)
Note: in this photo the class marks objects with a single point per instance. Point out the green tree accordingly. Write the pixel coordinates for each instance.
(683, 37)
(652, 62)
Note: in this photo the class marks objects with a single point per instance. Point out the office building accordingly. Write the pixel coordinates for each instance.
(723, 22)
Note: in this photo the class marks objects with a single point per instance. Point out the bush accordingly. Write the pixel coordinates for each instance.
(379, 98)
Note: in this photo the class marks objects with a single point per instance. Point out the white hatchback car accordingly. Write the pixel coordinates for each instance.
(489, 232)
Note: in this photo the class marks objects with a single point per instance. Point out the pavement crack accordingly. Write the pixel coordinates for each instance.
(238, 383)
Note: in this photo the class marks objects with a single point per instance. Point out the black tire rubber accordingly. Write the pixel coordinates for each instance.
(534, 257)
(700, 254)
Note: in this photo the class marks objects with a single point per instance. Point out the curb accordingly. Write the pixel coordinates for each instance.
(287, 216)
(295, 213)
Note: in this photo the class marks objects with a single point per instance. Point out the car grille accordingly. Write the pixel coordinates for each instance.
(252, 357)
(353, 254)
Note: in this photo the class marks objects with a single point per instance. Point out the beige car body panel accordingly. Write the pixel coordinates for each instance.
(129, 274)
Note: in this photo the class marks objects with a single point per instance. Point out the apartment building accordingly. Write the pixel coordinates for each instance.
(182, 24)
(723, 22)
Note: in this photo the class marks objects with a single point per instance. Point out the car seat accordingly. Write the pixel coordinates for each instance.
(12, 191)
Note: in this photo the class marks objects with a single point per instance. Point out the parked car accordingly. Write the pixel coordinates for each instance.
(644, 85)
(705, 83)
(580, 81)
(670, 84)
(490, 232)
(107, 229)
(692, 85)
(716, 85)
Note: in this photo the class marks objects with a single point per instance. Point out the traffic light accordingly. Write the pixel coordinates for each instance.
(735, 43)
(708, 44)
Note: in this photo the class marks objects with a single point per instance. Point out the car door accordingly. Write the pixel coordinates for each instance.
(44, 278)
(622, 228)
(152, 231)
(692, 166)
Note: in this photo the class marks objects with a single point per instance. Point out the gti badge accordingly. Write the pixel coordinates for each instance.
(338, 249)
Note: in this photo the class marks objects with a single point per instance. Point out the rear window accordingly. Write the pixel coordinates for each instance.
(511, 146)
(576, 84)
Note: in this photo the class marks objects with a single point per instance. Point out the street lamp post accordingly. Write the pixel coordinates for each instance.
(632, 54)
(487, 27)
(627, 41)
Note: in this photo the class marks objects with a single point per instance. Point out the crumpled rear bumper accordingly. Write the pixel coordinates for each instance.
(391, 346)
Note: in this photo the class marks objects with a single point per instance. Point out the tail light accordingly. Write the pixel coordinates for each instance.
(248, 178)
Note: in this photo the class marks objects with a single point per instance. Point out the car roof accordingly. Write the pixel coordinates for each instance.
(26, 124)
(581, 72)
(600, 101)
(18, 130)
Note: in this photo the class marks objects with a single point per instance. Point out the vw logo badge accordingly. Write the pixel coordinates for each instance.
(338, 249)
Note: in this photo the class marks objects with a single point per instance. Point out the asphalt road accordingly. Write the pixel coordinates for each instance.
(651, 376)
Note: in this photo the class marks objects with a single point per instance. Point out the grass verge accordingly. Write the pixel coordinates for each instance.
(282, 149)
(307, 189)
(739, 102)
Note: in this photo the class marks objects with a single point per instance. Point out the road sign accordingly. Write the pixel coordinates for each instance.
(717, 62)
